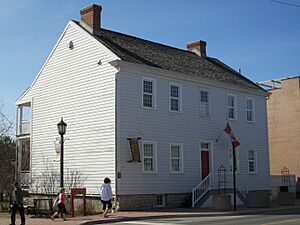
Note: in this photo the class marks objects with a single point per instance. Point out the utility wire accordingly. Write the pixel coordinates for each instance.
(285, 3)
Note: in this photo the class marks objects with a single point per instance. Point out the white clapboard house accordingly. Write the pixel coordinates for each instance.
(172, 104)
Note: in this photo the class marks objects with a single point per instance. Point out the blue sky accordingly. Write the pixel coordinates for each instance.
(261, 37)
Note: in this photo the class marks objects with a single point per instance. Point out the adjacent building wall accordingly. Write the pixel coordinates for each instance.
(284, 127)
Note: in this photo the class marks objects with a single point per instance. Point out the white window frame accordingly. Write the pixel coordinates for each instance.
(153, 94)
(208, 112)
(230, 107)
(179, 98)
(251, 110)
(154, 157)
(181, 170)
(252, 160)
(230, 161)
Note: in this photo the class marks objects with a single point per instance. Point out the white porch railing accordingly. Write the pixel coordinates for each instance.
(211, 182)
(200, 190)
(243, 189)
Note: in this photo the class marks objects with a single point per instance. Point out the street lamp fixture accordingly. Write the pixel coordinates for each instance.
(62, 126)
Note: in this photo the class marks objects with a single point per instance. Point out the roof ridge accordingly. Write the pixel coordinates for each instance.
(152, 42)
(101, 37)
(123, 49)
(229, 69)
(131, 36)
(138, 50)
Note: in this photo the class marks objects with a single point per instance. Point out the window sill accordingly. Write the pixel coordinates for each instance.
(205, 116)
(175, 112)
(149, 108)
(150, 173)
(176, 173)
(234, 119)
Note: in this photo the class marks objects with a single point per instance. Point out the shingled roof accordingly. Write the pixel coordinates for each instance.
(136, 50)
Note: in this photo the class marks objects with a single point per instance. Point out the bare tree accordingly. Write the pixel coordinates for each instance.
(7, 152)
(6, 125)
(47, 182)
(74, 178)
(7, 159)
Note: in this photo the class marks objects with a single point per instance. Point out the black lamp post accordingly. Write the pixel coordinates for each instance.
(62, 126)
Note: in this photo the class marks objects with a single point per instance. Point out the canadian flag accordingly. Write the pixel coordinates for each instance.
(234, 141)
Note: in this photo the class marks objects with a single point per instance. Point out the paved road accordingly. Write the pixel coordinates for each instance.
(278, 218)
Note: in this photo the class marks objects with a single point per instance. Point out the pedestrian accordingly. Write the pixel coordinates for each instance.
(54, 206)
(17, 197)
(61, 205)
(106, 196)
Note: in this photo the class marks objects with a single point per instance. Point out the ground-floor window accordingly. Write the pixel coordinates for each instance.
(251, 161)
(25, 154)
(149, 157)
(176, 158)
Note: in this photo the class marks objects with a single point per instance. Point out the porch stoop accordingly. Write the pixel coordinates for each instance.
(212, 192)
(209, 187)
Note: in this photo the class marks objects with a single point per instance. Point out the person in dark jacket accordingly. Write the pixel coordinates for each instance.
(17, 197)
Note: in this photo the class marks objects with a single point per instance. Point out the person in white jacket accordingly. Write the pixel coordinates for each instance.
(106, 196)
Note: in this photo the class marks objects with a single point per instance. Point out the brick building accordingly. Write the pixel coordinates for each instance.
(283, 107)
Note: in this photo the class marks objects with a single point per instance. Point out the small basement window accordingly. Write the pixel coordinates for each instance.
(160, 200)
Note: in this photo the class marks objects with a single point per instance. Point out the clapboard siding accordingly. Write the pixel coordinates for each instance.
(187, 128)
(73, 86)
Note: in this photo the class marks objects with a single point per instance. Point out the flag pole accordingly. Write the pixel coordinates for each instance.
(234, 181)
(219, 136)
(235, 144)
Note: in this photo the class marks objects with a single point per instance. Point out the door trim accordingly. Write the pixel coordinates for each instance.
(210, 156)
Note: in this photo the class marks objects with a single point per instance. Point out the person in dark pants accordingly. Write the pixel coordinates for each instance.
(17, 197)
(61, 205)
(106, 196)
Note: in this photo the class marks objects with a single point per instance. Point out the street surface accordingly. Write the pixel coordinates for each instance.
(275, 218)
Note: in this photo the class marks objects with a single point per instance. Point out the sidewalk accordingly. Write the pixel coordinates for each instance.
(139, 215)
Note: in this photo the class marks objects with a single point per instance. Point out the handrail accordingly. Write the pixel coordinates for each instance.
(211, 181)
(243, 189)
(200, 190)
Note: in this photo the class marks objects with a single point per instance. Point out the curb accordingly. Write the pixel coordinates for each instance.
(194, 214)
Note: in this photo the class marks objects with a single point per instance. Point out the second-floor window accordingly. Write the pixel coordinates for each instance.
(176, 158)
(249, 109)
(148, 93)
(149, 157)
(231, 107)
(175, 97)
(204, 103)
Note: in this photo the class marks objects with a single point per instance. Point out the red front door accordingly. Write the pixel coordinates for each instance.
(204, 164)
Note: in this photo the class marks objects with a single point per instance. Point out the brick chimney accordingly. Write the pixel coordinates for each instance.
(198, 47)
(91, 16)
